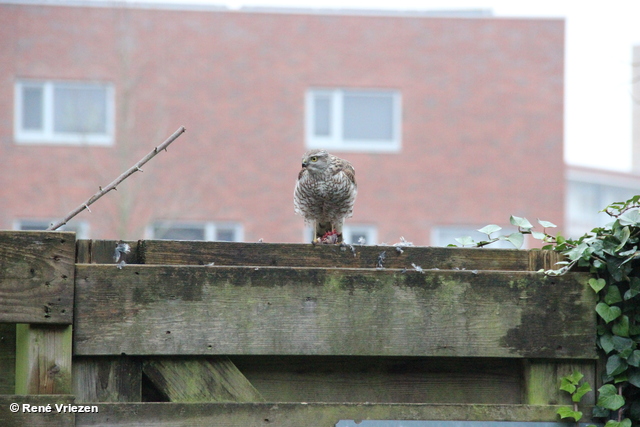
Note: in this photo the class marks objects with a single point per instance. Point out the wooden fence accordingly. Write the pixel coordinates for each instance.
(257, 334)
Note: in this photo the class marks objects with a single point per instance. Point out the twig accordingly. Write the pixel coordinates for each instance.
(118, 180)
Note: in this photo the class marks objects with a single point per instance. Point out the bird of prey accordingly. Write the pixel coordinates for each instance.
(325, 193)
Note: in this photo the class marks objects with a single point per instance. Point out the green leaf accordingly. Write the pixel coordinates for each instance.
(613, 295)
(567, 412)
(521, 222)
(621, 327)
(624, 423)
(623, 236)
(578, 251)
(581, 391)
(597, 284)
(538, 235)
(567, 385)
(634, 289)
(491, 228)
(634, 359)
(516, 239)
(608, 398)
(465, 241)
(630, 217)
(546, 224)
(624, 346)
(606, 343)
(616, 365)
(608, 313)
(634, 377)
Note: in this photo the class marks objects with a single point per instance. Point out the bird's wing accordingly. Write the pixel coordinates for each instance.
(346, 168)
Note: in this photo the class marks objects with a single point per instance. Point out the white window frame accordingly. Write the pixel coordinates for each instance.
(335, 140)
(47, 135)
(81, 228)
(210, 228)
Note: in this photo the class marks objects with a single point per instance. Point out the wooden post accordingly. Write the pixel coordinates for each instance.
(43, 359)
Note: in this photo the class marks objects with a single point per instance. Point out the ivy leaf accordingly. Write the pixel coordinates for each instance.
(634, 359)
(608, 313)
(491, 228)
(465, 241)
(521, 222)
(597, 284)
(624, 346)
(634, 377)
(608, 398)
(621, 327)
(623, 237)
(606, 343)
(538, 235)
(516, 239)
(624, 423)
(581, 391)
(567, 412)
(546, 224)
(630, 217)
(634, 289)
(616, 365)
(577, 252)
(613, 295)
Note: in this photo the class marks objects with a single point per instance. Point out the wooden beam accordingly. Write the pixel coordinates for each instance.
(107, 379)
(172, 310)
(24, 416)
(214, 379)
(36, 277)
(351, 379)
(307, 255)
(43, 359)
(300, 414)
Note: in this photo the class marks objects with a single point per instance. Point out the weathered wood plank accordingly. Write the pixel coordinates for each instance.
(103, 251)
(307, 255)
(212, 379)
(166, 310)
(36, 277)
(352, 379)
(36, 419)
(43, 359)
(107, 379)
(7, 358)
(542, 381)
(300, 414)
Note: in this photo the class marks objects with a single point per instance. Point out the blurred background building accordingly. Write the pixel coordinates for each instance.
(452, 120)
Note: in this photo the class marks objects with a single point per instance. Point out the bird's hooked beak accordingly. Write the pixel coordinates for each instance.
(305, 162)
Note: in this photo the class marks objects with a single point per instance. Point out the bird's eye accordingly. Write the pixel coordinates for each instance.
(313, 159)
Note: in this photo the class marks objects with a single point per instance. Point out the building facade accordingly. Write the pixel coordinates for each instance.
(451, 123)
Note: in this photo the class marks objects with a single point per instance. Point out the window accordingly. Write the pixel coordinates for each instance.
(81, 228)
(352, 234)
(353, 120)
(443, 236)
(170, 230)
(63, 113)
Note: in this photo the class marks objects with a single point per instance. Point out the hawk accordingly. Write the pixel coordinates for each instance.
(325, 193)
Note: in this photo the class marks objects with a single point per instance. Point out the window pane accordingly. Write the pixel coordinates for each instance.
(367, 116)
(226, 234)
(80, 109)
(322, 115)
(178, 233)
(32, 108)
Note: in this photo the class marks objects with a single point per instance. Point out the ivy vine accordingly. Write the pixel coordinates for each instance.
(611, 253)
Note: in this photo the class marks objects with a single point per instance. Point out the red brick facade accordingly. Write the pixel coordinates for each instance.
(482, 116)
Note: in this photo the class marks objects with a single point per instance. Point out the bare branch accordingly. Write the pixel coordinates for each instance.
(118, 180)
